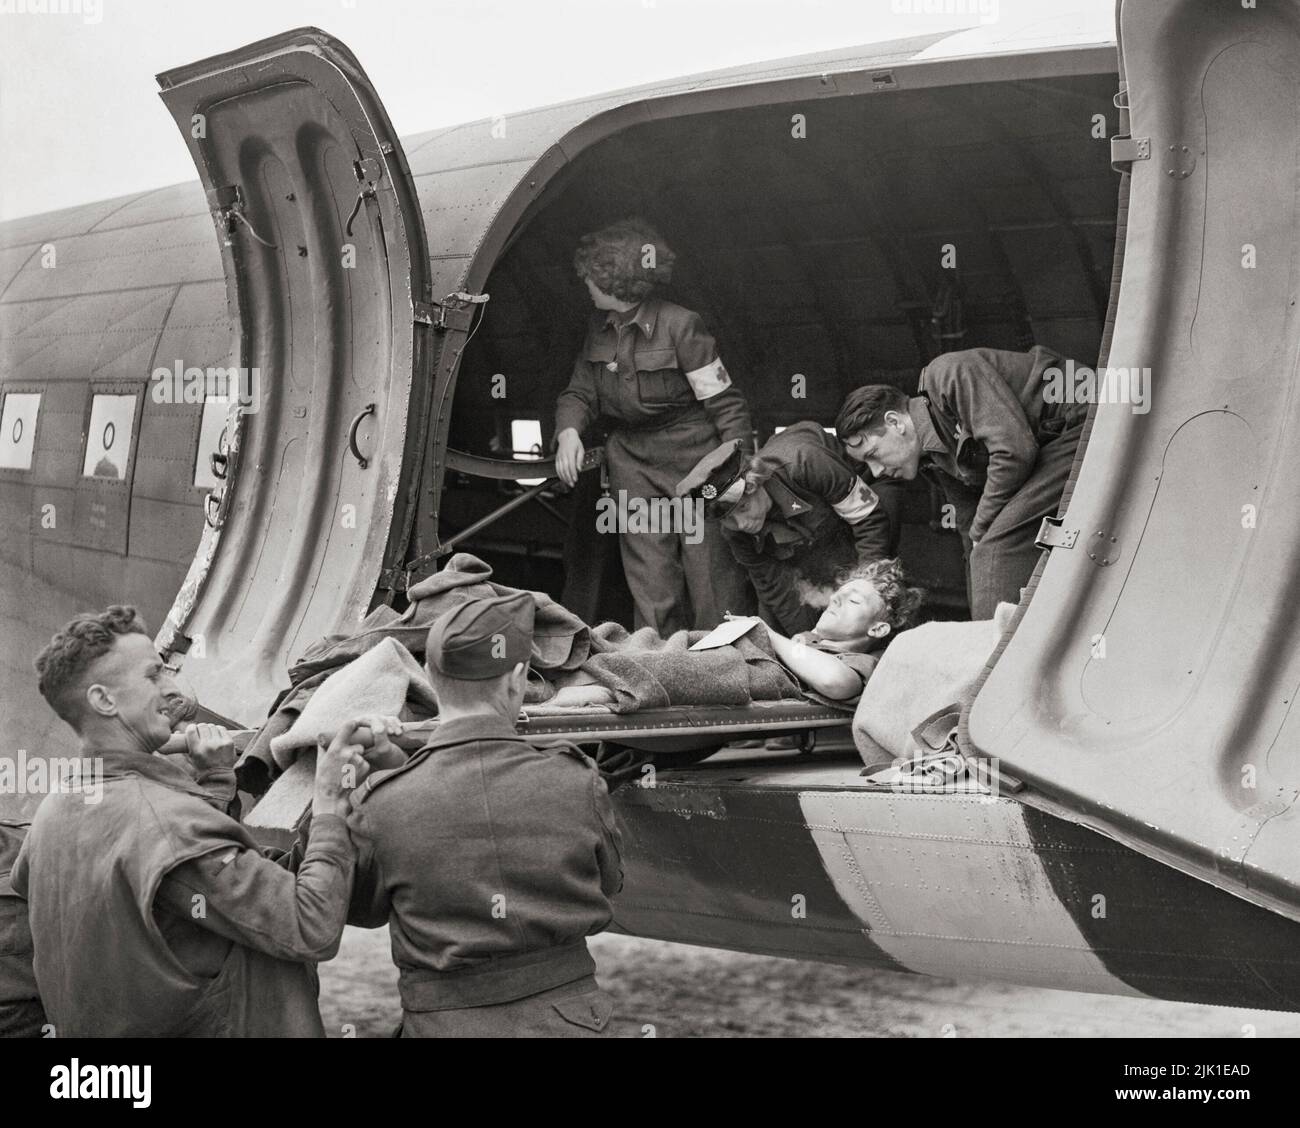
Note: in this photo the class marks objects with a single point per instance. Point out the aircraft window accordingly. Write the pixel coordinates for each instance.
(210, 431)
(108, 442)
(526, 442)
(18, 430)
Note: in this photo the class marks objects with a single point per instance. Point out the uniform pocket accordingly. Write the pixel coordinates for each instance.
(599, 351)
(590, 1010)
(666, 387)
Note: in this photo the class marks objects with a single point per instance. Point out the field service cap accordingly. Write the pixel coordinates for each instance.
(717, 479)
(482, 638)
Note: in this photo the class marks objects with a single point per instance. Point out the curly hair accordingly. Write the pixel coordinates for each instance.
(886, 576)
(864, 408)
(759, 471)
(614, 258)
(62, 665)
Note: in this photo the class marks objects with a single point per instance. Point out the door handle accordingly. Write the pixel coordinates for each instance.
(362, 461)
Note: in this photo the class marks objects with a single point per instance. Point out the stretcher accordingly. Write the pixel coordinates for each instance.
(673, 737)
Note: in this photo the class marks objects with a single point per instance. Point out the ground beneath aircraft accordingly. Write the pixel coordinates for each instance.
(683, 991)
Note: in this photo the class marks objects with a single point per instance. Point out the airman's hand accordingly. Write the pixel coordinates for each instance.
(209, 748)
(376, 732)
(618, 764)
(340, 767)
(568, 456)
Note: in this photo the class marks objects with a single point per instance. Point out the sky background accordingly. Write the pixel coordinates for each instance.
(80, 117)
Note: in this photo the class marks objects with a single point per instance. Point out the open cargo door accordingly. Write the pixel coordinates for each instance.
(326, 269)
(1149, 690)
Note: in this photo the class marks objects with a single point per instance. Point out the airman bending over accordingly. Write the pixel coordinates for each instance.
(981, 428)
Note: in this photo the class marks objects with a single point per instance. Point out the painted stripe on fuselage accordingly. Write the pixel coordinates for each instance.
(952, 883)
(733, 867)
(1167, 934)
(948, 885)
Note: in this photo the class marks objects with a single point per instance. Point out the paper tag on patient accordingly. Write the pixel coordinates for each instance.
(725, 633)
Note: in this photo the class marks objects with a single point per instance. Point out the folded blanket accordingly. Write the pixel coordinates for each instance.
(924, 670)
(644, 671)
(379, 682)
(561, 641)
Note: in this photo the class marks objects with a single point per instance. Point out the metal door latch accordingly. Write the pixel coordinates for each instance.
(455, 311)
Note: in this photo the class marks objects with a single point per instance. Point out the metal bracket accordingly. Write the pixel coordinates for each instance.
(228, 208)
(394, 579)
(1124, 150)
(455, 311)
(1052, 535)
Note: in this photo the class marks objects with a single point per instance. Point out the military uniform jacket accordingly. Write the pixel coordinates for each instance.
(491, 859)
(90, 873)
(21, 1014)
(986, 419)
(814, 490)
(657, 368)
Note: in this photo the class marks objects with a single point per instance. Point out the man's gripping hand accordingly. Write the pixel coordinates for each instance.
(209, 748)
(375, 733)
(340, 767)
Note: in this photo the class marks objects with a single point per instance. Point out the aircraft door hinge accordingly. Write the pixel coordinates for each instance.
(393, 579)
(1124, 150)
(1051, 534)
(455, 311)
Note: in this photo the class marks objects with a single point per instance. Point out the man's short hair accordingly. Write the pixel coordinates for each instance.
(886, 576)
(864, 408)
(614, 259)
(62, 665)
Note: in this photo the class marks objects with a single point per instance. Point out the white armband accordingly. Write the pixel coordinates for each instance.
(708, 381)
(859, 505)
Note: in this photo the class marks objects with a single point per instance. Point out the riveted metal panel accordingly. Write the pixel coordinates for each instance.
(66, 222)
(1164, 662)
(159, 206)
(324, 258)
(125, 259)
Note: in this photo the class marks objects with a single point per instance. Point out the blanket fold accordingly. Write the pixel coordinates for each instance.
(644, 671)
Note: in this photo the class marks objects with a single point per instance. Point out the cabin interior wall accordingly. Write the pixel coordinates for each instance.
(820, 247)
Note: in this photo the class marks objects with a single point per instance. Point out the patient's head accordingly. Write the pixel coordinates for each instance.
(872, 602)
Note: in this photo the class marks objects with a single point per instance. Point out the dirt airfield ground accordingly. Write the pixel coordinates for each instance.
(686, 992)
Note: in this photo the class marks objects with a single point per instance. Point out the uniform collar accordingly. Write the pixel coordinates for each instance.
(476, 726)
(448, 734)
(784, 499)
(160, 769)
(918, 407)
(645, 316)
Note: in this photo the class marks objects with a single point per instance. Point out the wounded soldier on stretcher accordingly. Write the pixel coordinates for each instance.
(833, 660)
(375, 670)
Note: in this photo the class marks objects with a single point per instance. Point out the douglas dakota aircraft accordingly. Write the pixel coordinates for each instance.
(846, 217)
